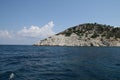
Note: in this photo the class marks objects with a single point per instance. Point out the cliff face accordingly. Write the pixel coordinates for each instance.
(85, 35)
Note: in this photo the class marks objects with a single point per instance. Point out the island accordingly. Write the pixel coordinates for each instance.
(87, 34)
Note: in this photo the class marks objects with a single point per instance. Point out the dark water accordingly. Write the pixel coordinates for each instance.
(59, 63)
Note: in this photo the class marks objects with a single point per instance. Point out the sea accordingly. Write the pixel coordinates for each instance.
(28, 62)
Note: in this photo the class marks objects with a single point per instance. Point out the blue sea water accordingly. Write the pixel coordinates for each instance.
(59, 63)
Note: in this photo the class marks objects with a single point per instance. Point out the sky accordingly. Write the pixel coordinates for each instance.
(25, 22)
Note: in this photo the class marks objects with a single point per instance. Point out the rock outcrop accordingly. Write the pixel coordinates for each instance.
(85, 35)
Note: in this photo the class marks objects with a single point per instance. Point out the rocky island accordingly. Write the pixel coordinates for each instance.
(88, 34)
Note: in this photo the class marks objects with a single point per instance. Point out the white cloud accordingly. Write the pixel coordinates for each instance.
(5, 34)
(26, 35)
(36, 31)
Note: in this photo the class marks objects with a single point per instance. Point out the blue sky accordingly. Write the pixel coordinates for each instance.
(28, 21)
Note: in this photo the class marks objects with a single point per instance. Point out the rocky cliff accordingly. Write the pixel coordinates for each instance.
(89, 34)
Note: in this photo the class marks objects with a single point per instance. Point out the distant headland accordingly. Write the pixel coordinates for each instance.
(88, 34)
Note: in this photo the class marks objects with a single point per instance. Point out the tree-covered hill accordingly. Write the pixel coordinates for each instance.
(95, 29)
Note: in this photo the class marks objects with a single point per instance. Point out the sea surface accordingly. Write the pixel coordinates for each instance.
(59, 63)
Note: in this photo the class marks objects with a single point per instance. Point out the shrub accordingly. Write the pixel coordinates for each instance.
(94, 35)
(68, 33)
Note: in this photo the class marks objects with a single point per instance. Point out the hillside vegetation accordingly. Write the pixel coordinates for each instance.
(94, 29)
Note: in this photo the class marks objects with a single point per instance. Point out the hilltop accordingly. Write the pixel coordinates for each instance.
(88, 34)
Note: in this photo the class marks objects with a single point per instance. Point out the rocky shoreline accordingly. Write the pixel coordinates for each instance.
(73, 40)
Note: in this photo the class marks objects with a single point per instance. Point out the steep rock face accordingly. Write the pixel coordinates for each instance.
(84, 35)
(74, 40)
